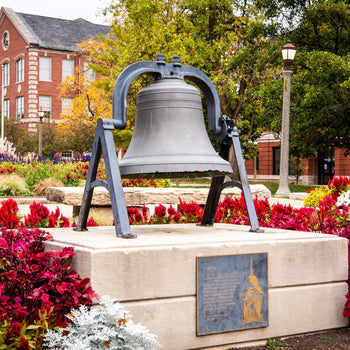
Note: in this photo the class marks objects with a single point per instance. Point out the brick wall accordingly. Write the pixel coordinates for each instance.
(52, 88)
(32, 87)
(265, 166)
(16, 49)
(342, 163)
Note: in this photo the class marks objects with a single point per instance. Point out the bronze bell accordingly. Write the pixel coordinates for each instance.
(170, 139)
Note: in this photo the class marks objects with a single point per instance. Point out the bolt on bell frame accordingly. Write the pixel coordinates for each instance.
(221, 127)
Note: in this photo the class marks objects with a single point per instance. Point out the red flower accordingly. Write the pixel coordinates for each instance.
(91, 222)
(346, 311)
(8, 214)
(171, 210)
(160, 210)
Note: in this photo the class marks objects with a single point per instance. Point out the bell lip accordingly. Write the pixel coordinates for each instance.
(175, 170)
(174, 164)
(175, 175)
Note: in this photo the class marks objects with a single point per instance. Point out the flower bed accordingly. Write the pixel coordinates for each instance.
(38, 289)
(43, 302)
(20, 176)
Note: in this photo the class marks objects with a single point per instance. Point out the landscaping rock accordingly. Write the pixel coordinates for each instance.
(137, 196)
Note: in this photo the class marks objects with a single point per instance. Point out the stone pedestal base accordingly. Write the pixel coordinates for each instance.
(154, 276)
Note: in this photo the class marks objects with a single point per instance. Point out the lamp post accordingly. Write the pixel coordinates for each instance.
(2, 103)
(40, 147)
(288, 55)
(255, 161)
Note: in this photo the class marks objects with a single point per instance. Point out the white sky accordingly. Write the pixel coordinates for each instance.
(67, 9)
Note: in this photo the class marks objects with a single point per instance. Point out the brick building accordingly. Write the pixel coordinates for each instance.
(36, 54)
(315, 170)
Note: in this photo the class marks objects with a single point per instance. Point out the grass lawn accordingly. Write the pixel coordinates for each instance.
(272, 186)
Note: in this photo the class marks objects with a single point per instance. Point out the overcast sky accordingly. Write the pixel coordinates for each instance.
(67, 9)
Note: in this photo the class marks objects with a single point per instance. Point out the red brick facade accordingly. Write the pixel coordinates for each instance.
(16, 49)
(24, 43)
(315, 170)
(342, 164)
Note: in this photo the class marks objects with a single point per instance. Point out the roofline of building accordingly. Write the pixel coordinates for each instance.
(27, 35)
(20, 26)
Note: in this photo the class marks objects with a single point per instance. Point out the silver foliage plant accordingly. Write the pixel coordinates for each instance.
(343, 199)
(106, 326)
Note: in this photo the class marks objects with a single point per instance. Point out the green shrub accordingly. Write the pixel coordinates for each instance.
(13, 185)
(40, 187)
(275, 344)
(38, 171)
(316, 195)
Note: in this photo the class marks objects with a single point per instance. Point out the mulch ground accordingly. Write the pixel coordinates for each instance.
(337, 339)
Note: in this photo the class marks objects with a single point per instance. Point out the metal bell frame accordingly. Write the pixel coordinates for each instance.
(222, 128)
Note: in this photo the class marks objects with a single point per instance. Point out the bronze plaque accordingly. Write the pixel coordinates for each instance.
(232, 293)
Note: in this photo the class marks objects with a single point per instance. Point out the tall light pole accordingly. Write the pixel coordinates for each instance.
(40, 146)
(288, 55)
(2, 102)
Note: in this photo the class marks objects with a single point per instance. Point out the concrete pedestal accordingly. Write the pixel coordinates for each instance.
(154, 276)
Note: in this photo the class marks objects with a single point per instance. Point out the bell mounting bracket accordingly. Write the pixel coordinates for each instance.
(175, 70)
(221, 127)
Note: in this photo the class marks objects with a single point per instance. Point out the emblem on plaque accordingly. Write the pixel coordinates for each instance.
(251, 298)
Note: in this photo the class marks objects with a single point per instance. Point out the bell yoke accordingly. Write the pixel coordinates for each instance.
(169, 140)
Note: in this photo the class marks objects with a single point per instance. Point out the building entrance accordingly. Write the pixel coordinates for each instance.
(325, 167)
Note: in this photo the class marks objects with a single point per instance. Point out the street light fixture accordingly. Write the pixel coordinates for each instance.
(41, 114)
(288, 54)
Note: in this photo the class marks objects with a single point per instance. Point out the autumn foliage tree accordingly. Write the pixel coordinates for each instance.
(237, 43)
(228, 40)
(78, 120)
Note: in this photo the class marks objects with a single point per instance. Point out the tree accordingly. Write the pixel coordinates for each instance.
(320, 83)
(321, 104)
(228, 40)
(27, 141)
(324, 26)
(320, 108)
(78, 121)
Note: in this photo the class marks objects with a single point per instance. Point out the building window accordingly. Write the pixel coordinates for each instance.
(45, 105)
(6, 111)
(88, 72)
(5, 40)
(6, 74)
(67, 103)
(20, 70)
(67, 155)
(20, 107)
(276, 156)
(67, 68)
(45, 72)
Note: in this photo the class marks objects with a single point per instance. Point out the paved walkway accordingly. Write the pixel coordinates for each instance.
(295, 203)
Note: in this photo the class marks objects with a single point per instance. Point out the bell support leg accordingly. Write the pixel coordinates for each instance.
(88, 191)
(104, 142)
(254, 223)
(218, 184)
